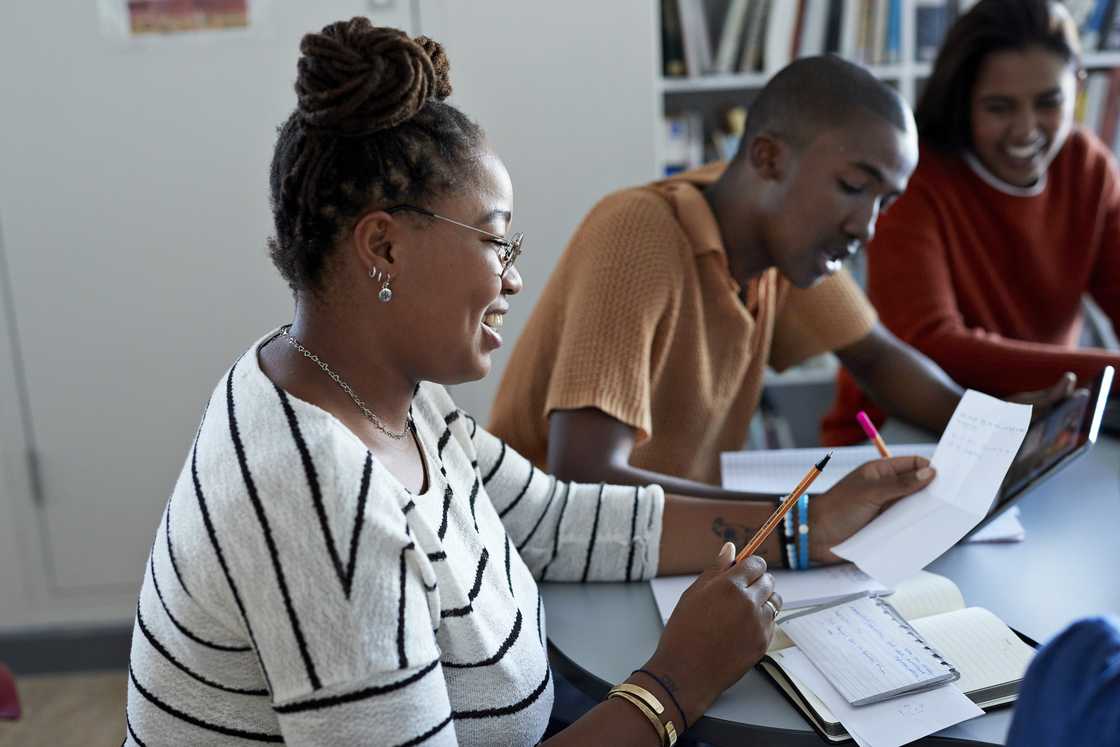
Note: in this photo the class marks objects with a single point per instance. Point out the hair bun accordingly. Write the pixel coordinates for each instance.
(355, 78)
(440, 65)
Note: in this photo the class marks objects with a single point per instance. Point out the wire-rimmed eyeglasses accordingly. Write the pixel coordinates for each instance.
(509, 251)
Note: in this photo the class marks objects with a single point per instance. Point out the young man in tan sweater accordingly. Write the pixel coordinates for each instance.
(644, 358)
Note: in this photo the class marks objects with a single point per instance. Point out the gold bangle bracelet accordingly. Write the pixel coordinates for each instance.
(655, 705)
(655, 722)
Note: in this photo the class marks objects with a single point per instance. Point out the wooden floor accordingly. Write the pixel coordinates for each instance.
(68, 710)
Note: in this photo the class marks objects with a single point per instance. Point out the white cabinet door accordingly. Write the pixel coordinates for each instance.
(134, 210)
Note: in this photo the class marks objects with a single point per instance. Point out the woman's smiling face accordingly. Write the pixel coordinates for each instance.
(1022, 112)
(451, 294)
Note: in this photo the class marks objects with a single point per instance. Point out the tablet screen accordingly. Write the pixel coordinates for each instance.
(1064, 433)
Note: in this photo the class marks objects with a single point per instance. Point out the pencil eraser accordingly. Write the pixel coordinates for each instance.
(865, 423)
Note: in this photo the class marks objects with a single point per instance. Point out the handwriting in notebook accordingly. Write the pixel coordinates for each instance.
(865, 650)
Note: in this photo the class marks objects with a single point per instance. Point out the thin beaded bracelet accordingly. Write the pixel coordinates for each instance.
(803, 533)
(789, 541)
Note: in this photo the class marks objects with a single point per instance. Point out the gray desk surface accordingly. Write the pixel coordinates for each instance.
(1064, 570)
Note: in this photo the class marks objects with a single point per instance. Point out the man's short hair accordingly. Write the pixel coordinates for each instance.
(815, 94)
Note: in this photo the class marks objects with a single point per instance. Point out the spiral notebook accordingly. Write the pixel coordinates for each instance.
(991, 657)
(867, 650)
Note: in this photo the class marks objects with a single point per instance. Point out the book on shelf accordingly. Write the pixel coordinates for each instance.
(881, 15)
(1090, 16)
(779, 39)
(848, 43)
(731, 35)
(1109, 33)
(990, 658)
(894, 33)
(814, 28)
(798, 25)
(672, 41)
(872, 32)
(683, 143)
(750, 59)
(748, 36)
(696, 34)
(833, 26)
(931, 20)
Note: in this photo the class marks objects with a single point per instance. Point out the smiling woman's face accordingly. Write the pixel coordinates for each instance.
(450, 295)
(1021, 112)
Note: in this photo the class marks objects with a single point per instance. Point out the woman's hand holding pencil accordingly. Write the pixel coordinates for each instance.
(720, 628)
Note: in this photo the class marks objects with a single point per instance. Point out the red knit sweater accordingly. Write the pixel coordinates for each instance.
(988, 284)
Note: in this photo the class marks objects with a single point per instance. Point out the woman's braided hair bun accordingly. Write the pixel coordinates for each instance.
(355, 78)
(370, 129)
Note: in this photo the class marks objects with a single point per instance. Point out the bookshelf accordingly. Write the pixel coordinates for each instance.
(715, 54)
(748, 81)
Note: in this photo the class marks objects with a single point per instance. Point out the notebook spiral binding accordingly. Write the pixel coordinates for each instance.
(909, 630)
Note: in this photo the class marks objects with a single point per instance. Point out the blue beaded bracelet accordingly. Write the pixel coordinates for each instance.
(789, 541)
(803, 532)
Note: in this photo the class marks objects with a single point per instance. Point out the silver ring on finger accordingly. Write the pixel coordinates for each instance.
(773, 608)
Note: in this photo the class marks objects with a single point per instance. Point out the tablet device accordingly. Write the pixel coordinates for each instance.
(1065, 433)
(1111, 422)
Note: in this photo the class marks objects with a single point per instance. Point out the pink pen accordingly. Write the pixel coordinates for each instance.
(869, 429)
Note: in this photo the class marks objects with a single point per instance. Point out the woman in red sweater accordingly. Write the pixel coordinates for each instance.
(1012, 214)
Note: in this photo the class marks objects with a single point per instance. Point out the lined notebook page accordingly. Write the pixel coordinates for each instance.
(926, 594)
(980, 645)
(864, 651)
(778, 471)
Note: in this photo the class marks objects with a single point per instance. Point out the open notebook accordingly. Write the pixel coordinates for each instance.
(990, 658)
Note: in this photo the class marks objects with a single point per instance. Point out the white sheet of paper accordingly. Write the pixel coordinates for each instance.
(893, 722)
(778, 471)
(798, 588)
(1005, 528)
(971, 461)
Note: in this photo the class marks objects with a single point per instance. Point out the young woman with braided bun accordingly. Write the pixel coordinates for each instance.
(348, 558)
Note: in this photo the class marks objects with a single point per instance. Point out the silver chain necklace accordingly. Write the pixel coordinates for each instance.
(371, 416)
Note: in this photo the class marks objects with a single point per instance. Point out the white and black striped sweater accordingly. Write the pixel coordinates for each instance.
(297, 593)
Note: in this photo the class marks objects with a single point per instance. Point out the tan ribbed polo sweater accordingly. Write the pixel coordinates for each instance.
(641, 319)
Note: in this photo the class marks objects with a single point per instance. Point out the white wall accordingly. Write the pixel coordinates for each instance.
(134, 211)
(133, 206)
(17, 554)
(565, 93)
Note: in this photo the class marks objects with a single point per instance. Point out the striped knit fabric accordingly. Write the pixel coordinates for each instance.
(297, 593)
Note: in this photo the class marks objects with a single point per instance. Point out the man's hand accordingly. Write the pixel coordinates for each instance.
(1043, 400)
(859, 497)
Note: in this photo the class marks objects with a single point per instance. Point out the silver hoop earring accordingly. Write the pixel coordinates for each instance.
(385, 295)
